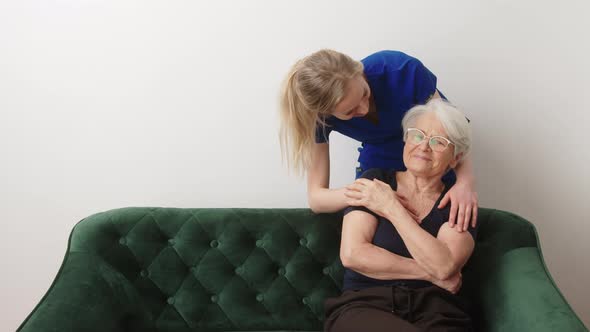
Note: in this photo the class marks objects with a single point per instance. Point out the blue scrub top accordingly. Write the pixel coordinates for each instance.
(398, 82)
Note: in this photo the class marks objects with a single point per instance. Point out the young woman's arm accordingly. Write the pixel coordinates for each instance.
(463, 197)
(320, 197)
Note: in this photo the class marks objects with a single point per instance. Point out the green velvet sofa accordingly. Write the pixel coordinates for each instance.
(176, 269)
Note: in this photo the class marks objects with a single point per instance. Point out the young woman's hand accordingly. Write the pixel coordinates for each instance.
(463, 205)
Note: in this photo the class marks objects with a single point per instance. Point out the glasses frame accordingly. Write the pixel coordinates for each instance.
(429, 139)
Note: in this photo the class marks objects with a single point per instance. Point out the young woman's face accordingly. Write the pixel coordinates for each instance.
(355, 102)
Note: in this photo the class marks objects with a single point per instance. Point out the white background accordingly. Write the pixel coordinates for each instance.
(107, 104)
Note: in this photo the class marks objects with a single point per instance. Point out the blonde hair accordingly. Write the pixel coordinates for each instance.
(310, 92)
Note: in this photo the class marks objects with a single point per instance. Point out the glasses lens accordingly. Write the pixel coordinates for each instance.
(438, 144)
(415, 136)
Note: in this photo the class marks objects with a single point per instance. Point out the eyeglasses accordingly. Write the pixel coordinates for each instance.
(416, 136)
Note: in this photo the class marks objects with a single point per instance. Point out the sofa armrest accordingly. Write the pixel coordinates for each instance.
(88, 295)
(520, 295)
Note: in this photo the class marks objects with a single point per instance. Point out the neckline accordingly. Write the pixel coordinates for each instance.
(436, 203)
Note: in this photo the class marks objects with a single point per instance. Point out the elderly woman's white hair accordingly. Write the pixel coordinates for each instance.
(452, 119)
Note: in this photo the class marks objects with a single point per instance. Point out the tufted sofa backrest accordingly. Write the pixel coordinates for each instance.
(248, 269)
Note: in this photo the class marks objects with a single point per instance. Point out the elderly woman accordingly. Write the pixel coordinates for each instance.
(402, 258)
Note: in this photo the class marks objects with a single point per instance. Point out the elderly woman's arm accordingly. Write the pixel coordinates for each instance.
(441, 257)
(357, 252)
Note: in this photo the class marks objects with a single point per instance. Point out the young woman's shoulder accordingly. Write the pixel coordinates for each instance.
(386, 60)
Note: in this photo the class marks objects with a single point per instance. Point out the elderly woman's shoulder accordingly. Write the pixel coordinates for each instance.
(383, 174)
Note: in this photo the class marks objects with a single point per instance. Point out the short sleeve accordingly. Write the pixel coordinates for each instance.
(424, 82)
(372, 173)
(322, 133)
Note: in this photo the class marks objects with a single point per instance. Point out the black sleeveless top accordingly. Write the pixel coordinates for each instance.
(387, 237)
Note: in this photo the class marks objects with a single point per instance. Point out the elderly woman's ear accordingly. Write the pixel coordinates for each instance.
(455, 161)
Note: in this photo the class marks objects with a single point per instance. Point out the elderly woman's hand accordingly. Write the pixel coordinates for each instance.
(463, 205)
(452, 284)
(378, 197)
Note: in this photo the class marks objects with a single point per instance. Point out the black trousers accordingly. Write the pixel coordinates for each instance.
(396, 308)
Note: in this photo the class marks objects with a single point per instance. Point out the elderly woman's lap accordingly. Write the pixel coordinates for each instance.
(380, 309)
(370, 320)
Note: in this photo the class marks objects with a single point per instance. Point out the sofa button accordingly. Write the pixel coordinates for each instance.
(171, 242)
(303, 242)
(259, 243)
(123, 241)
(214, 298)
(170, 300)
(239, 270)
(281, 271)
(304, 300)
(326, 271)
(259, 297)
(214, 244)
(143, 273)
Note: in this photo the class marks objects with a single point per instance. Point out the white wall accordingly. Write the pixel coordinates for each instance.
(106, 104)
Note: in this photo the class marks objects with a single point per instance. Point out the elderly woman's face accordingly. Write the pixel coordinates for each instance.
(420, 159)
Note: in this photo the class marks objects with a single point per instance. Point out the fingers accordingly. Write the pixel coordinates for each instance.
(353, 194)
(363, 181)
(460, 218)
(352, 202)
(467, 217)
(381, 183)
(453, 214)
(458, 284)
(360, 184)
(355, 186)
(353, 198)
(444, 201)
